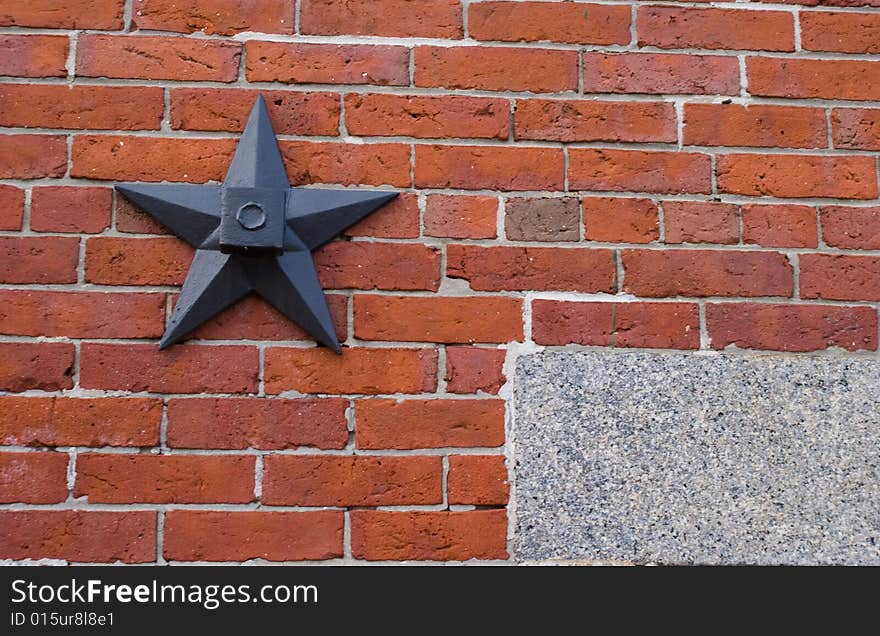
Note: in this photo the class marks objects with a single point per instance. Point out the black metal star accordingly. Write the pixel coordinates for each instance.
(254, 233)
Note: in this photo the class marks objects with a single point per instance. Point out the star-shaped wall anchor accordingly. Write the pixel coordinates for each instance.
(253, 234)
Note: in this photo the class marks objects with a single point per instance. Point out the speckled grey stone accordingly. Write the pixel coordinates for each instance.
(687, 458)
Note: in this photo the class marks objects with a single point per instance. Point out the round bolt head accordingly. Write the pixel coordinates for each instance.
(251, 216)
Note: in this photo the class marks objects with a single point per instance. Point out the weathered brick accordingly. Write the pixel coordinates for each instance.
(496, 68)
(32, 312)
(701, 222)
(118, 478)
(78, 535)
(436, 536)
(427, 116)
(840, 32)
(306, 63)
(358, 370)
(71, 14)
(70, 209)
(257, 423)
(569, 22)
(197, 535)
(347, 164)
(11, 207)
(545, 219)
(463, 217)
(489, 168)
(131, 219)
(624, 170)
(839, 277)
(390, 18)
(615, 219)
(856, 128)
(32, 156)
(59, 421)
(34, 478)
(473, 369)
(228, 109)
(791, 327)
(794, 176)
(137, 261)
(407, 424)
(668, 273)
(180, 369)
(34, 55)
(826, 79)
(396, 219)
(686, 28)
(220, 17)
(391, 266)
(588, 120)
(477, 480)
(780, 225)
(438, 319)
(527, 268)
(324, 480)
(754, 125)
(660, 73)
(38, 259)
(851, 228)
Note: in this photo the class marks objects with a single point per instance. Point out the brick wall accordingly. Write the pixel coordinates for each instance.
(618, 174)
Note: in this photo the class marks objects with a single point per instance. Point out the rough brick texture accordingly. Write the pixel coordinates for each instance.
(691, 176)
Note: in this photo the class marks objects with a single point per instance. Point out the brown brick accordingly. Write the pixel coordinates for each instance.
(47, 366)
(614, 219)
(701, 222)
(546, 219)
(856, 128)
(472, 369)
(34, 478)
(477, 480)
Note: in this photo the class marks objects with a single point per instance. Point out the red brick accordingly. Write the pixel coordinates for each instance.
(840, 32)
(564, 322)
(179, 369)
(116, 478)
(791, 327)
(57, 421)
(840, 277)
(587, 120)
(252, 318)
(34, 55)
(390, 18)
(47, 366)
(34, 478)
(32, 156)
(851, 228)
(220, 17)
(427, 116)
(660, 73)
(11, 207)
(131, 219)
(438, 319)
(137, 261)
(73, 14)
(656, 273)
(754, 125)
(528, 268)
(408, 424)
(477, 480)
(31, 312)
(38, 259)
(324, 480)
(357, 370)
(780, 225)
(793, 176)
(228, 109)
(95, 107)
(657, 325)
(306, 63)
(701, 222)
(542, 219)
(127, 158)
(826, 79)
(489, 168)
(397, 219)
(496, 68)
(472, 369)
(347, 164)
(622, 170)
(435, 536)
(195, 535)
(569, 22)
(70, 209)
(392, 266)
(857, 128)
(78, 535)
(257, 423)
(614, 219)
(464, 217)
(157, 57)
(686, 28)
